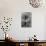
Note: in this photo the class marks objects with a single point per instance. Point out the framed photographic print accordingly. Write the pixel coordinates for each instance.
(26, 19)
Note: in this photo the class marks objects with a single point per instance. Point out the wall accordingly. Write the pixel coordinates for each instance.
(45, 28)
(14, 8)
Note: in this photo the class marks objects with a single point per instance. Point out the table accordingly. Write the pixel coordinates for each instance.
(27, 42)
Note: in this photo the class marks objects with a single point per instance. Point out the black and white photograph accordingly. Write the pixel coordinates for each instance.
(26, 19)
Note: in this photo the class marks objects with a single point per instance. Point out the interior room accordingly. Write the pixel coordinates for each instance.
(22, 22)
